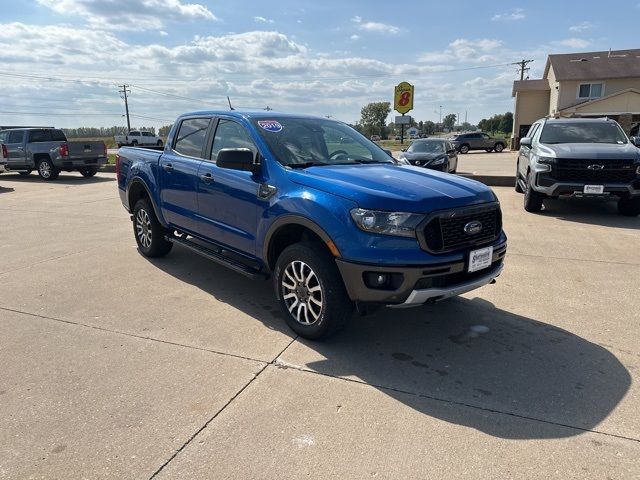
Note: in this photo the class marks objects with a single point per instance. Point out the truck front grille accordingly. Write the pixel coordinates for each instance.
(445, 231)
(594, 171)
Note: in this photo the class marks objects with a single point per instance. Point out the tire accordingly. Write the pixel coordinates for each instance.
(629, 207)
(307, 272)
(119, 145)
(88, 172)
(148, 231)
(518, 187)
(26, 173)
(464, 149)
(159, 144)
(499, 147)
(134, 143)
(47, 170)
(532, 200)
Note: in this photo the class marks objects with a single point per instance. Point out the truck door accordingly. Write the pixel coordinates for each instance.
(178, 173)
(227, 199)
(15, 147)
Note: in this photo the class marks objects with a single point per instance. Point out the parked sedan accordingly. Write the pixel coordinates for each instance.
(433, 153)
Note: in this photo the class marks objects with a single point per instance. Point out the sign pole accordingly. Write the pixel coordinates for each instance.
(402, 134)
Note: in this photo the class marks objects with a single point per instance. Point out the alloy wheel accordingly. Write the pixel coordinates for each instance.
(143, 228)
(302, 293)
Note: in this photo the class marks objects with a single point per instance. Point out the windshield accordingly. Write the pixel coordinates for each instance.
(427, 147)
(302, 142)
(582, 132)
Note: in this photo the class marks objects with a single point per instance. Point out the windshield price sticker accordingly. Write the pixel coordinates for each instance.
(270, 125)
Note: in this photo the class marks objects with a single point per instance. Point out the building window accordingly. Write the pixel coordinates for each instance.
(590, 90)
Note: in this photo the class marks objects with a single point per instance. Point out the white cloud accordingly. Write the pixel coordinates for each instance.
(581, 27)
(355, 37)
(577, 43)
(262, 20)
(135, 15)
(376, 27)
(512, 15)
(465, 50)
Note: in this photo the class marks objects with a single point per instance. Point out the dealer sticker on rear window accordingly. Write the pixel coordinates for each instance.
(270, 125)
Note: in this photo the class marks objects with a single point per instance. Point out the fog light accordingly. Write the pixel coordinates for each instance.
(382, 280)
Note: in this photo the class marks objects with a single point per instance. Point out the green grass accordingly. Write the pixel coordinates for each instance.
(111, 158)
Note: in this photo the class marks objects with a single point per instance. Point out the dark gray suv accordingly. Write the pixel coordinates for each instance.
(580, 158)
(477, 141)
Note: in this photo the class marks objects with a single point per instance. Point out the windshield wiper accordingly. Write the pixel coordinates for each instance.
(305, 164)
(369, 161)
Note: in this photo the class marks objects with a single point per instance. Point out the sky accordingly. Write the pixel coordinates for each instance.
(62, 61)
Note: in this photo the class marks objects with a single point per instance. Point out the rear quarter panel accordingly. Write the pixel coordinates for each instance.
(138, 165)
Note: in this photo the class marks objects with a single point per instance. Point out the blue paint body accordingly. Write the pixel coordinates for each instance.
(228, 211)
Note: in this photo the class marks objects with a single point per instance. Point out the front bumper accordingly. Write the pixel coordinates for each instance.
(415, 285)
(553, 188)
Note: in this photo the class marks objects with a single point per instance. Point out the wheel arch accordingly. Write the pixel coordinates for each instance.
(290, 229)
(138, 190)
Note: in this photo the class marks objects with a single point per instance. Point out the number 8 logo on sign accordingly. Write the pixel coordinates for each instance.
(403, 99)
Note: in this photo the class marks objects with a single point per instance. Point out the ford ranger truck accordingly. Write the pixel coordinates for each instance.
(578, 157)
(334, 224)
(48, 151)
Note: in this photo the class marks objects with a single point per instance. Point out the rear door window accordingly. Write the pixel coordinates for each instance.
(36, 136)
(191, 137)
(15, 136)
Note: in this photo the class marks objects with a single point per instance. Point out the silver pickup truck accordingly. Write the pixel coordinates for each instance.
(49, 151)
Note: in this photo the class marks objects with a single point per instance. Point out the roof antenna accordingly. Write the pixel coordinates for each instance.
(229, 100)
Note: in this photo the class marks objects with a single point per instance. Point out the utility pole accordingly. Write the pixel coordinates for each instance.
(523, 67)
(440, 122)
(124, 91)
(268, 108)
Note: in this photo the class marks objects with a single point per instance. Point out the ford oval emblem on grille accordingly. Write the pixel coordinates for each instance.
(473, 227)
(595, 167)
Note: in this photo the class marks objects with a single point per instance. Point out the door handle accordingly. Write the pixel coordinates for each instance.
(20, 148)
(167, 167)
(206, 178)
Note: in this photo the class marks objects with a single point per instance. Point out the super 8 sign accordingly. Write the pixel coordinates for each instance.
(403, 99)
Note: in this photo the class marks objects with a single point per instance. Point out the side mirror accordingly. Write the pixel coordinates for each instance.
(404, 149)
(525, 142)
(237, 159)
(635, 141)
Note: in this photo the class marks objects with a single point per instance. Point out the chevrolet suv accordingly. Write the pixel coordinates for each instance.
(578, 157)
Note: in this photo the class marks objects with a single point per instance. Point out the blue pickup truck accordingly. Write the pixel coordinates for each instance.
(310, 203)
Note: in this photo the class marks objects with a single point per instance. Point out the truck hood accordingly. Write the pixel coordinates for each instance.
(393, 187)
(589, 151)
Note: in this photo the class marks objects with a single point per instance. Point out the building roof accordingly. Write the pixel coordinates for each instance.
(595, 65)
(529, 86)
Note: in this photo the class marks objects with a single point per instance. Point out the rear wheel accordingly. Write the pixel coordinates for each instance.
(311, 292)
(88, 172)
(148, 231)
(532, 200)
(499, 147)
(629, 207)
(464, 149)
(159, 143)
(47, 170)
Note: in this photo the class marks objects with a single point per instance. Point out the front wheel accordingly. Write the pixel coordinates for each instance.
(499, 147)
(532, 200)
(464, 149)
(629, 207)
(47, 170)
(88, 172)
(311, 292)
(518, 187)
(148, 231)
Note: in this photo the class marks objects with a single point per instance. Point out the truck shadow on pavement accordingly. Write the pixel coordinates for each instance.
(460, 361)
(63, 179)
(6, 189)
(591, 211)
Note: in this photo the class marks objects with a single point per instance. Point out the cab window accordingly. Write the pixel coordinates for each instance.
(191, 137)
(230, 134)
(16, 136)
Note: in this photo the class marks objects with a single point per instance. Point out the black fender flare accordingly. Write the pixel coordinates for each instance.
(290, 219)
(142, 183)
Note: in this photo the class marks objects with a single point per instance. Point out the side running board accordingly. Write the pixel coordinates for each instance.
(217, 255)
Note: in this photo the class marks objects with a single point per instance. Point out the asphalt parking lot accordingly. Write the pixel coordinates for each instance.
(115, 366)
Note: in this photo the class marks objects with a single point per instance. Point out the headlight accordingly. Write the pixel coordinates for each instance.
(438, 161)
(547, 160)
(543, 164)
(386, 223)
